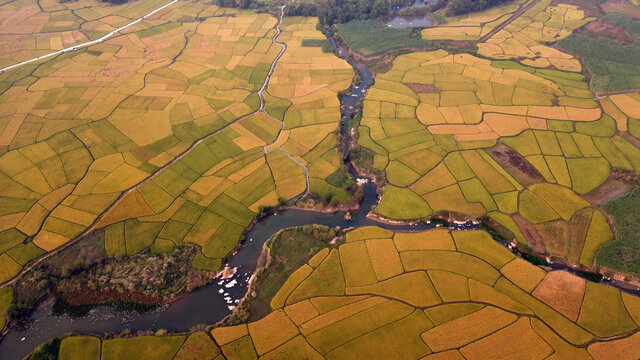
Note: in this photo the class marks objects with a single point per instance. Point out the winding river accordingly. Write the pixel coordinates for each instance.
(211, 303)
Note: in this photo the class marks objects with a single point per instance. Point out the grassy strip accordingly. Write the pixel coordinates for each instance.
(325, 44)
(369, 37)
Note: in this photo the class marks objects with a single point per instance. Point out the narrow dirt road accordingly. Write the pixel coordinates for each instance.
(76, 47)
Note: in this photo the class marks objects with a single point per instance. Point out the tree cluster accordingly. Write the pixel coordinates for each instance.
(240, 4)
(459, 7)
(341, 11)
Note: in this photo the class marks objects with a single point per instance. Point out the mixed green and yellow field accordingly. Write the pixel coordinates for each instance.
(522, 145)
(158, 135)
(475, 25)
(30, 28)
(519, 30)
(428, 295)
(526, 37)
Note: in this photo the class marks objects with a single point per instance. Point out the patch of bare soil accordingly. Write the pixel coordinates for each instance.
(631, 139)
(591, 7)
(423, 88)
(610, 31)
(562, 291)
(609, 190)
(554, 234)
(515, 164)
(622, 6)
(534, 241)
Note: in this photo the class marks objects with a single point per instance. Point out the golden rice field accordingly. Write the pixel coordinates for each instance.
(526, 36)
(474, 25)
(30, 28)
(519, 144)
(429, 295)
(83, 136)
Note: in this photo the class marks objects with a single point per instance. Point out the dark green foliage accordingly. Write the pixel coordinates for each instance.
(325, 44)
(46, 351)
(289, 250)
(614, 66)
(340, 178)
(242, 4)
(369, 37)
(342, 11)
(459, 7)
(83, 274)
(623, 253)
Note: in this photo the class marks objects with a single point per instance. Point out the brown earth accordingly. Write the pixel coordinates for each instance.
(610, 31)
(622, 6)
(423, 88)
(554, 235)
(591, 7)
(534, 241)
(609, 190)
(563, 292)
(100, 296)
(516, 165)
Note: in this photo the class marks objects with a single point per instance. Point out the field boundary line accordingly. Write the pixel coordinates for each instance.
(93, 42)
(515, 15)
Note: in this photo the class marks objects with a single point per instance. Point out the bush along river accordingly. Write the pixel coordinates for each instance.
(212, 303)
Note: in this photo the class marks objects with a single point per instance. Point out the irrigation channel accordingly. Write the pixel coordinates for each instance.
(213, 302)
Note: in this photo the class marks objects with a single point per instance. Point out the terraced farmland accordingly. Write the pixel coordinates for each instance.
(35, 28)
(157, 135)
(429, 295)
(475, 25)
(187, 124)
(522, 145)
(526, 37)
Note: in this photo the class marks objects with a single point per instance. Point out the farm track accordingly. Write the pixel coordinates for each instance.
(515, 15)
(93, 42)
(260, 94)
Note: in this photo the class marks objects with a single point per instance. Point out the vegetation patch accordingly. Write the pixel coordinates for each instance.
(83, 275)
(623, 253)
(287, 251)
(370, 37)
(613, 62)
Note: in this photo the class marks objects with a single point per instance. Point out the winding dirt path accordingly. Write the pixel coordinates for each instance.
(260, 94)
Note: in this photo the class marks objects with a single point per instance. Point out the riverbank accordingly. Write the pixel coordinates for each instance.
(284, 252)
